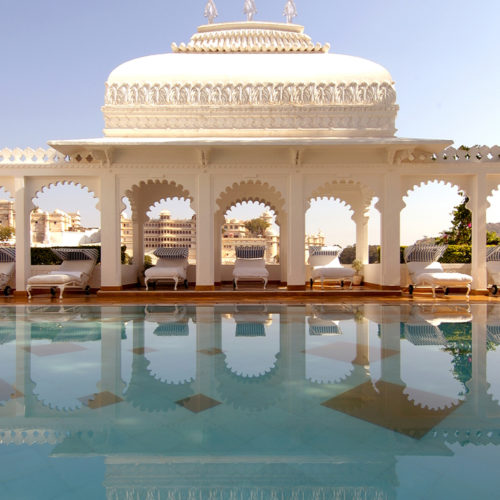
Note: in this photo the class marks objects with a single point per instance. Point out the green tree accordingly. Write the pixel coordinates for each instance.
(6, 233)
(257, 227)
(460, 232)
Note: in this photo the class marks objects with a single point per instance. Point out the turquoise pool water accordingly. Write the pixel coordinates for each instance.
(250, 402)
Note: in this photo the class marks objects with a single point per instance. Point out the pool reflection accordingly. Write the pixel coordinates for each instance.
(238, 401)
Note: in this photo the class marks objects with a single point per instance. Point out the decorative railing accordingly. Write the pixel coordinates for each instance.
(28, 156)
(40, 156)
(474, 154)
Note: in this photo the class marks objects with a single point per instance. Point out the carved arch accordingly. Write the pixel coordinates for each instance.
(250, 191)
(37, 186)
(145, 194)
(352, 194)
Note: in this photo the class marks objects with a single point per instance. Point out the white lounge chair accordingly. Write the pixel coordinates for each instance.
(171, 266)
(172, 320)
(425, 270)
(7, 267)
(326, 266)
(250, 265)
(251, 320)
(493, 267)
(75, 271)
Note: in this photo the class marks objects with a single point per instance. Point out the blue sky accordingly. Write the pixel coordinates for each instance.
(443, 56)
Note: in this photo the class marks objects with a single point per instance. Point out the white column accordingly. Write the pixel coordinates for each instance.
(111, 278)
(283, 248)
(296, 269)
(391, 205)
(205, 233)
(361, 222)
(217, 252)
(22, 206)
(138, 219)
(478, 205)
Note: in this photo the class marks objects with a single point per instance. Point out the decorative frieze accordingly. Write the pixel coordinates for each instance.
(261, 94)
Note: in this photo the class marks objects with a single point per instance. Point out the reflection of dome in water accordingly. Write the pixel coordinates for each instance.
(253, 79)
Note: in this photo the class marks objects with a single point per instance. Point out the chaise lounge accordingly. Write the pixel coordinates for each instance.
(326, 266)
(425, 270)
(7, 267)
(74, 271)
(171, 266)
(250, 265)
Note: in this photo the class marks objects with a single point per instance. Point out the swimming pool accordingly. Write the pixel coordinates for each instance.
(250, 402)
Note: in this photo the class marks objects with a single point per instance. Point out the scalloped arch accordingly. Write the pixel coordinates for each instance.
(35, 189)
(426, 182)
(250, 191)
(145, 194)
(353, 194)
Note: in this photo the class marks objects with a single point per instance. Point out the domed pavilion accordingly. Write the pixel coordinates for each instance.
(252, 111)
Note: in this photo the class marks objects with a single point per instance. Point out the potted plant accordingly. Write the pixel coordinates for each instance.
(357, 265)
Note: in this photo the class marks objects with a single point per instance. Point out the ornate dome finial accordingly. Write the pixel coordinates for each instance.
(290, 11)
(211, 11)
(249, 9)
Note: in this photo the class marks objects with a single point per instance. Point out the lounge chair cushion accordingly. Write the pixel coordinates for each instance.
(423, 273)
(166, 271)
(250, 268)
(54, 278)
(6, 272)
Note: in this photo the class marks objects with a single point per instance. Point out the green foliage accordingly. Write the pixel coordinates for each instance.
(457, 254)
(148, 262)
(348, 255)
(257, 227)
(461, 226)
(43, 256)
(492, 238)
(124, 256)
(6, 233)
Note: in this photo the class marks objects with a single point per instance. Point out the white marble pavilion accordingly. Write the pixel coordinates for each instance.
(251, 111)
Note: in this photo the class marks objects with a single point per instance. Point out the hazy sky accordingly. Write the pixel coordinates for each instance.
(442, 54)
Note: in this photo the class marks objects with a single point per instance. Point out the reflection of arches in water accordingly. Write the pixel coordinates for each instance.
(69, 367)
(172, 358)
(323, 328)
(152, 394)
(432, 337)
(251, 348)
(249, 393)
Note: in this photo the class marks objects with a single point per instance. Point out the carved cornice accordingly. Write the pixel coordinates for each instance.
(251, 120)
(249, 38)
(260, 94)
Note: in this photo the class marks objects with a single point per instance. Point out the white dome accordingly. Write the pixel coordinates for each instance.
(251, 79)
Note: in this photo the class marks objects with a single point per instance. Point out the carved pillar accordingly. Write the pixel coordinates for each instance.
(22, 207)
(205, 233)
(138, 219)
(283, 248)
(390, 205)
(111, 278)
(217, 251)
(296, 269)
(478, 204)
(361, 222)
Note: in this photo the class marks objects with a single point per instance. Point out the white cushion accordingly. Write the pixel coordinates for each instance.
(250, 268)
(82, 266)
(416, 268)
(332, 272)
(51, 279)
(443, 279)
(164, 271)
